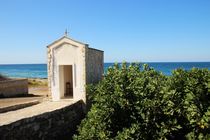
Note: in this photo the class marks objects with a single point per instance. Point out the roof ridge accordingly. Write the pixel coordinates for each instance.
(66, 38)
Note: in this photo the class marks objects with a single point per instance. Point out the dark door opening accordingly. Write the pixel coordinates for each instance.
(68, 81)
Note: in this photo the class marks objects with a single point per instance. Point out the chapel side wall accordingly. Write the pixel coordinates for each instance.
(94, 65)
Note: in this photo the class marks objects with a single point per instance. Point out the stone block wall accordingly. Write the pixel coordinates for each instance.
(94, 65)
(59, 124)
(14, 87)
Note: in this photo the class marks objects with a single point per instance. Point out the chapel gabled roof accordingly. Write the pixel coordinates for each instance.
(65, 37)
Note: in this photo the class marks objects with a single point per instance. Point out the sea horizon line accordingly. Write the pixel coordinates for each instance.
(116, 62)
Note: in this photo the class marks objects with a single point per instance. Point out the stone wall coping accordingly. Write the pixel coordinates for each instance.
(95, 49)
(13, 80)
(35, 110)
(4, 109)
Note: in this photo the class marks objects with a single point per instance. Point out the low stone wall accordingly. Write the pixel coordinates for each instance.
(13, 87)
(18, 106)
(58, 124)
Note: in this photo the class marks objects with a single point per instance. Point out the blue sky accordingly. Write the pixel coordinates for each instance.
(131, 30)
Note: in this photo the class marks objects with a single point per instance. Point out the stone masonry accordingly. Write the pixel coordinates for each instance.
(14, 87)
(49, 125)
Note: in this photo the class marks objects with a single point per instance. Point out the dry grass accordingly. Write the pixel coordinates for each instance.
(37, 82)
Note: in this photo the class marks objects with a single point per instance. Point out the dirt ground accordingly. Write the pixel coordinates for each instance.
(38, 90)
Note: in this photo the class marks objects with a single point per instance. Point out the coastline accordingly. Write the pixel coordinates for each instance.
(39, 71)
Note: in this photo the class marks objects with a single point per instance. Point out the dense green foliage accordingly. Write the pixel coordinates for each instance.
(141, 103)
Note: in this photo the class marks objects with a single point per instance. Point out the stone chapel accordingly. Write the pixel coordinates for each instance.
(71, 66)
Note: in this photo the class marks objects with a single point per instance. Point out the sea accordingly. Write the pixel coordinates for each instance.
(40, 70)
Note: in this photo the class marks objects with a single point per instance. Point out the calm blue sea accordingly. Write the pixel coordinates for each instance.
(40, 70)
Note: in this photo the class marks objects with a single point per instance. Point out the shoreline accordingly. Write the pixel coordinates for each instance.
(32, 81)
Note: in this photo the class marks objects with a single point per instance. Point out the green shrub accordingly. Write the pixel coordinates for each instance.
(140, 103)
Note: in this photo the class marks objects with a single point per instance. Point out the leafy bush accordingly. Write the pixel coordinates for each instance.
(130, 103)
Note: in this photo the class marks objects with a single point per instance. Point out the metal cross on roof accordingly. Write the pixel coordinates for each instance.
(66, 33)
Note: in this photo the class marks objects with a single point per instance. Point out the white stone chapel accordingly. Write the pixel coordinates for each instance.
(71, 66)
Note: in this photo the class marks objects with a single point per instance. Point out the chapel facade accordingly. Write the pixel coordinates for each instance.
(71, 66)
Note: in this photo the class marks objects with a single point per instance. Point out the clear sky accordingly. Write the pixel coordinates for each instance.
(131, 30)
